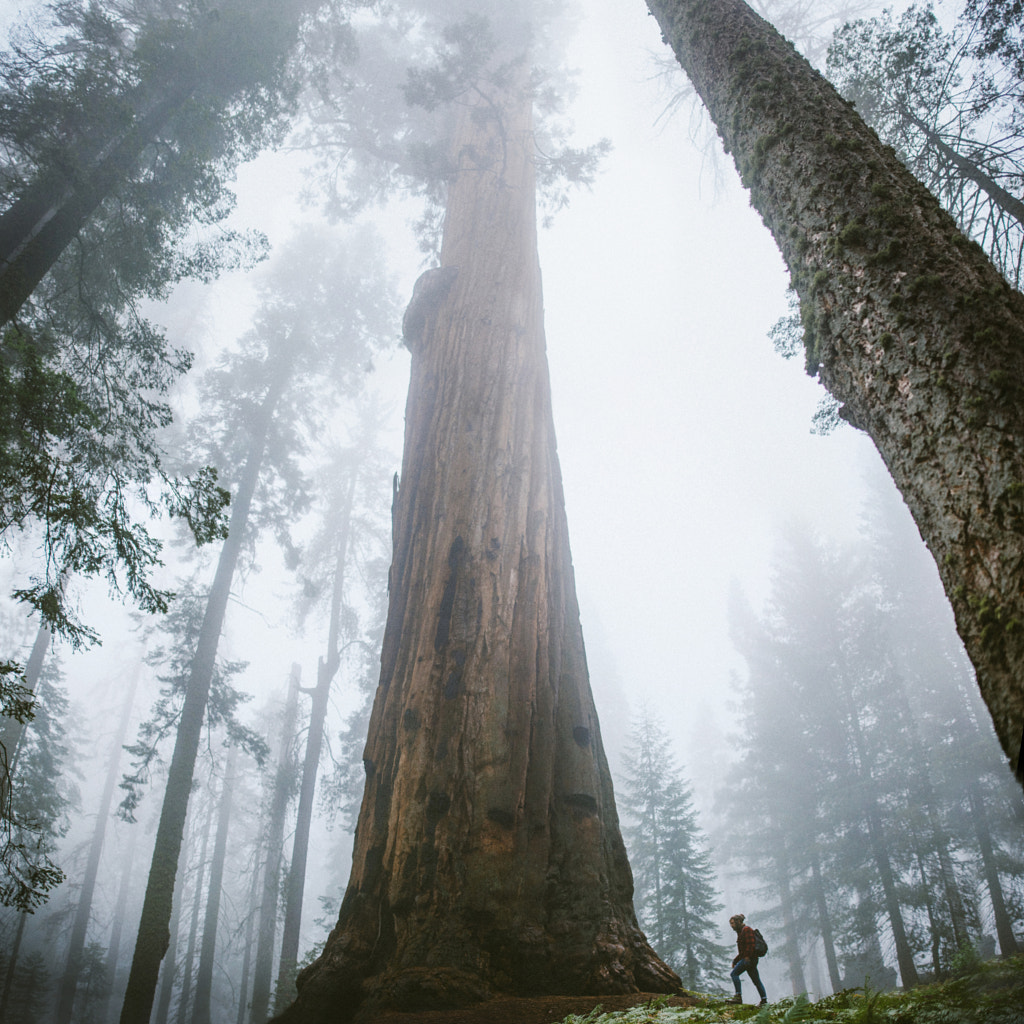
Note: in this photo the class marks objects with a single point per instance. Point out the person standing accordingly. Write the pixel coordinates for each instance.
(745, 959)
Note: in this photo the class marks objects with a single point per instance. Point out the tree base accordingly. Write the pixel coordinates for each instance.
(340, 993)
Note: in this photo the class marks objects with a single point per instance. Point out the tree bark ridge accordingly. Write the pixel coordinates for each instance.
(487, 856)
(907, 322)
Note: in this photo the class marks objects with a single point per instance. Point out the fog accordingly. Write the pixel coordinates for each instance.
(686, 448)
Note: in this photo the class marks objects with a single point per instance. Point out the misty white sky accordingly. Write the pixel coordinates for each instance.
(684, 439)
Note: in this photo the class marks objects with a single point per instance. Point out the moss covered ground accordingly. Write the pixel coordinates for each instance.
(990, 992)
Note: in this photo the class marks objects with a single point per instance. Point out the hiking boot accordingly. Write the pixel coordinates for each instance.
(764, 1002)
(735, 999)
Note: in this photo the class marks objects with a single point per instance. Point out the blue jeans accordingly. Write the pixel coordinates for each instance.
(750, 966)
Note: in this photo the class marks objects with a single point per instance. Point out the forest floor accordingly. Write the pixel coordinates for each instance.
(990, 992)
(542, 1010)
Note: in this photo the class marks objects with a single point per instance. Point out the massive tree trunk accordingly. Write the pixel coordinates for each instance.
(908, 324)
(487, 855)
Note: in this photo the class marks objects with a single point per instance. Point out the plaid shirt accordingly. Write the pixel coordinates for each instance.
(745, 944)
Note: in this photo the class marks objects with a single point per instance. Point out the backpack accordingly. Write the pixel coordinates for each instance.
(760, 946)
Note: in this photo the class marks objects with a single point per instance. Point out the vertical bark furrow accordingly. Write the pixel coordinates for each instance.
(488, 857)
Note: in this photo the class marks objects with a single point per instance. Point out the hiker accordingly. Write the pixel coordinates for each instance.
(746, 958)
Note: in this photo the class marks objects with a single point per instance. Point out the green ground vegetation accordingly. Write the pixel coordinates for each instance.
(980, 992)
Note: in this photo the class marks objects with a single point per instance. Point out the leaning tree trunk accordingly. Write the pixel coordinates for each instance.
(162, 1012)
(908, 323)
(487, 855)
(45, 240)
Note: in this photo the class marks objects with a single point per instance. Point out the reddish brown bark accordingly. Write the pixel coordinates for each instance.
(488, 858)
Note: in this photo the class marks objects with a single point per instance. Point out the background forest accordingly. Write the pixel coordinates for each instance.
(793, 724)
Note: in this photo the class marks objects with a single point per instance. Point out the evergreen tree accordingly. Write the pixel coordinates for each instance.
(77, 961)
(41, 797)
(121, 126)
(858, 810)
(324, 311)
(674, 883)
(954, 121)
(280, 791)
(342, 563)
(26, 1001)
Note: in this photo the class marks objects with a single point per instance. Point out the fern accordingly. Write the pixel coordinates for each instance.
(801, 1010)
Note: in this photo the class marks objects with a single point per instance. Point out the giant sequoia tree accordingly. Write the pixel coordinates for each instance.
(488, 857)
(907, 323)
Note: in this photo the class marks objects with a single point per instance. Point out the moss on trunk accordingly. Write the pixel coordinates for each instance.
(907, 322)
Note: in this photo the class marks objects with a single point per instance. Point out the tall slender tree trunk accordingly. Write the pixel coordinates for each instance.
(861, 766)
(825, 924)
(934, 929)
(83, 911)
(327, 669)
(169, 968)
(925, 797)
(487, 856)
(271, 894)
(244, 1002)
(12, 966)
(188, 966)
(208, 949)
(1008, 944)
(116, 929)
(908, 324)
(883, 864)
(153, 936)
(796, 967)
